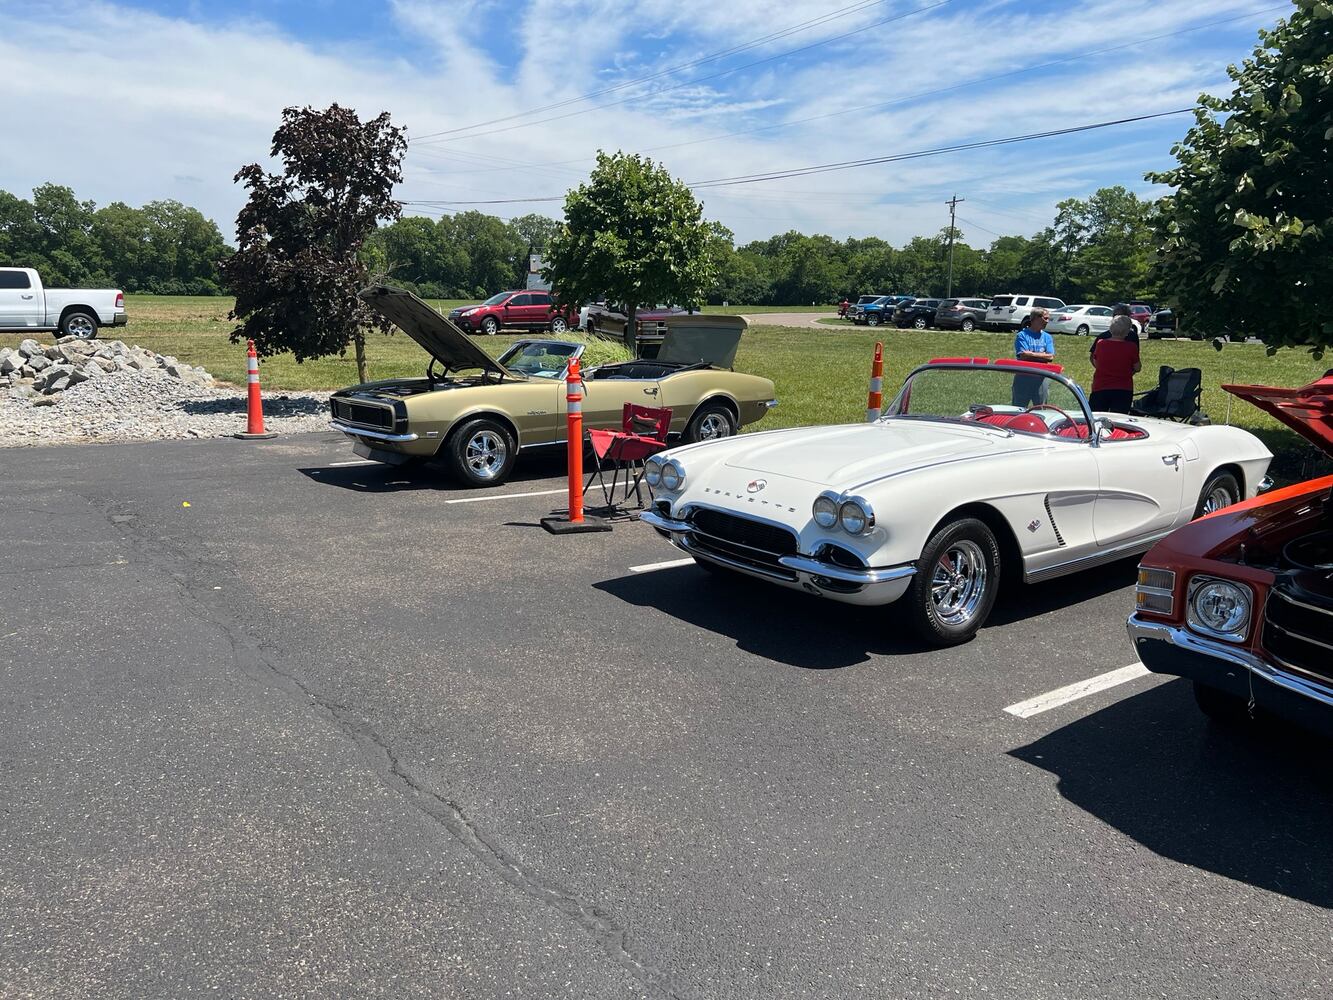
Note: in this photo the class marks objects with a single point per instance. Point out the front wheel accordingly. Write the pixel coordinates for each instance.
(559, 325)
(956, 581)
(483, 453)
(968, 326)
(920, 323)
(490, 326)
(1220, 491)
(79, 324)
(710, 422)
(872, 320)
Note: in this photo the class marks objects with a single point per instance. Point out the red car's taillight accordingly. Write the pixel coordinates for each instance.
(120, 300)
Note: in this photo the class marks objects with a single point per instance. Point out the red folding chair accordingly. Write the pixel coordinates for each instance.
(643, 432)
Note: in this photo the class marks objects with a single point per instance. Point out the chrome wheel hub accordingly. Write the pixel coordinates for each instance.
(714, 426)
(82, 327)
(1216, 500)
(485, 454)
(958, 583)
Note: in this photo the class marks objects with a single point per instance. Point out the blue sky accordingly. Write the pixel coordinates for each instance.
(168, 99)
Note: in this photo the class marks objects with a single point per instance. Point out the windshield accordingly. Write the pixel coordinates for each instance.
(497, 298)
(545, 360)
(1028, 401)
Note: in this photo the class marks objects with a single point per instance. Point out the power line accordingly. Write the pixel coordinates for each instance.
(691, 83)
(832, 15)
(850, 164)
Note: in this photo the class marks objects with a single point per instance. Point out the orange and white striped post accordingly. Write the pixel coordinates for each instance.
(875, 403)
(254, 417)
(574, 521)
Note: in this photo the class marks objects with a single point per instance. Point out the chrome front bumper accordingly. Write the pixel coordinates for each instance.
(852, 586)
(1170, 649)
(363, 432)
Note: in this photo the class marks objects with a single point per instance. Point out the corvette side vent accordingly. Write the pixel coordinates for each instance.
(1059, 538)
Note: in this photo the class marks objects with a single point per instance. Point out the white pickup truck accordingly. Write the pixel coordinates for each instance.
(76, 312)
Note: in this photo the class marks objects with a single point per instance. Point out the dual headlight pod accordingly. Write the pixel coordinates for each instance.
(667, 473)
(1219, 608)
(853, 514)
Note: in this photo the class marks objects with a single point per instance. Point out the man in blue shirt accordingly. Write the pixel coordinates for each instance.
(1033, 343)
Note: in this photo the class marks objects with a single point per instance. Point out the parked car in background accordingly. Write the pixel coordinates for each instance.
(1163, 321)
(1241, 602)
(1007, 312)
(588, 310)
(919, 314)
(610, 321)
(953, 494)
(875, 313)
(1081, 320)
(25, 305)
(476, 413)
(961, 314)
(1141, 313)
(520, 309)
(858, 307)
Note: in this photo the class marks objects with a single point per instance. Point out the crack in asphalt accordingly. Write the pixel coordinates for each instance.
(161, 554)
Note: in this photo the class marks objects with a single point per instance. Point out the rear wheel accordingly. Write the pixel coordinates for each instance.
(1220, 491)
(490, 326)
(483, 452)
(1083, 330)
(710, 422)
(956, 581)
(920, 323)
(559, 325)
(78, 324)
(968, 325)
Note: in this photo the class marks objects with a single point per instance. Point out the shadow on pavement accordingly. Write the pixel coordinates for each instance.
(378, 478)
(1027, 600)
(1253, 804)
(275, 405)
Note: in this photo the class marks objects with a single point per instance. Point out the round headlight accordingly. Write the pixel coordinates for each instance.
(672, 474)
(1219, 607)
(825, 511)
(856, 516)
(652, 471)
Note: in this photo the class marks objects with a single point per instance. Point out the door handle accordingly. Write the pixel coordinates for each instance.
(25, 296)
(650, 392)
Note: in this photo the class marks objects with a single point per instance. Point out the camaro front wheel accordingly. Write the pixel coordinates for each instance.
(956, 581)
(483, 453)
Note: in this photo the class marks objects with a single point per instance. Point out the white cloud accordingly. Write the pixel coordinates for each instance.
(134, 106)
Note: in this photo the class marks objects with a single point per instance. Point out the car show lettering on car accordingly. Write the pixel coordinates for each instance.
(852, 512)
(477, 412)
(1240, 602)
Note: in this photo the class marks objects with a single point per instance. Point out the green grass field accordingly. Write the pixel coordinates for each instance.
(821, 375)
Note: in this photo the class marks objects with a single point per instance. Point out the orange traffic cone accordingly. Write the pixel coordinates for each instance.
(254, 418)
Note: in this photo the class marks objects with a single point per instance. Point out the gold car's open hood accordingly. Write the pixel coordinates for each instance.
(444, 341)
(694, 338)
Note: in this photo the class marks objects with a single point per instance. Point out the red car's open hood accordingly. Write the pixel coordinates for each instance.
(1307, 410)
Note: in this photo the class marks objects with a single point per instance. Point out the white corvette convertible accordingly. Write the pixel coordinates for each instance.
(954, 489)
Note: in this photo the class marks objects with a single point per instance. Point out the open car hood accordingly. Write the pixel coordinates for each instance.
(1307, 410)
(691, 339)
(444, 341)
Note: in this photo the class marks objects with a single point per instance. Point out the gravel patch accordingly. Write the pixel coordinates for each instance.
(146, 406)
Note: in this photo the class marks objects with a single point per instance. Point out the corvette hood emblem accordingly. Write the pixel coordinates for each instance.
(755, 485)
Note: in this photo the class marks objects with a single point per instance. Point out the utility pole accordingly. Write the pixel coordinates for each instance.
(953, 208)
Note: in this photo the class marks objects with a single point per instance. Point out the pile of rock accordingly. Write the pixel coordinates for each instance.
(33, 369)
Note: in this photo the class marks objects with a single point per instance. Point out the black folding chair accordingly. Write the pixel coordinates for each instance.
(1178, 395)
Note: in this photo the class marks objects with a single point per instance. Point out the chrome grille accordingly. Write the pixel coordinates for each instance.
(744, 540)
(1298, 630)
(364, 414)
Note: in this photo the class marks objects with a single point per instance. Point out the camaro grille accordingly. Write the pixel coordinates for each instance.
(741, 539)
(364, 414)
(1300, 633)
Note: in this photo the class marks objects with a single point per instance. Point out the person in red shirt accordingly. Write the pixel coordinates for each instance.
(1116, 361)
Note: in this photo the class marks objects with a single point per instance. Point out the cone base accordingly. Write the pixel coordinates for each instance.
(560, 524)
(263, 436)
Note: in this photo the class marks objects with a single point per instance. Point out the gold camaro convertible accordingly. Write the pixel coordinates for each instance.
(477, 413)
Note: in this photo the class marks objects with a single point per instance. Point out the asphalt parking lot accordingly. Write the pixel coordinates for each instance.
(332, 730)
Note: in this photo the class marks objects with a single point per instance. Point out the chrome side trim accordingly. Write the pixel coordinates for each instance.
(1095, 559)
(351, 431)
(1183, 639)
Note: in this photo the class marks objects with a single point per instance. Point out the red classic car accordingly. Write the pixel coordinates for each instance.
(1241, 601)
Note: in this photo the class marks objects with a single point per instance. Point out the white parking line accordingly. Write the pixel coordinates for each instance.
(508, 496)
(670, 564)
(1073, 692)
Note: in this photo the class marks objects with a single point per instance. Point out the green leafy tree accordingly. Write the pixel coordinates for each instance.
(633, 233)
(535, 231)
(1247, 236)
(496, 253)
(298, 267)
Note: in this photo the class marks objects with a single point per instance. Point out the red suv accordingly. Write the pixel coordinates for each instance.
(527, 310)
